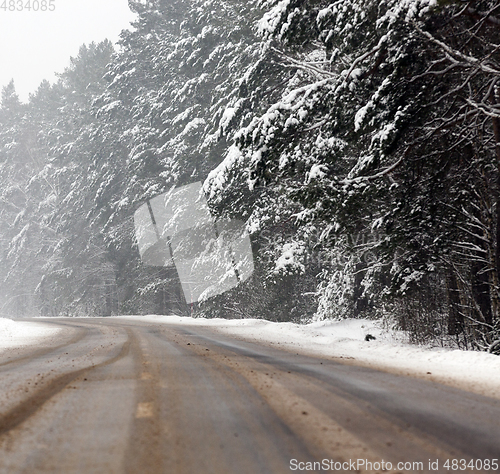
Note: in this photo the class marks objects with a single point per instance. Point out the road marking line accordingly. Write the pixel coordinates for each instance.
(144, 410)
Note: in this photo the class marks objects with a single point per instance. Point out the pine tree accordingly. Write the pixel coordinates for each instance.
(167, 111)
(56, 260)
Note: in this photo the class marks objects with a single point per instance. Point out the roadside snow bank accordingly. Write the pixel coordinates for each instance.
(14, 334)
(473, 371)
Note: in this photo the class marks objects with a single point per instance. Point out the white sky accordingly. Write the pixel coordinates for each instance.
(35, 45)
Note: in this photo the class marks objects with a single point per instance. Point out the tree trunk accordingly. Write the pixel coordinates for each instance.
(455, 318)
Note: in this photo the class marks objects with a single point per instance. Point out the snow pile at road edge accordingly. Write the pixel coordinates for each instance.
(15, 334)
(473, 371)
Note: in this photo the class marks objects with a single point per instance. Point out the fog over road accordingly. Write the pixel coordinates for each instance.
(116, 395)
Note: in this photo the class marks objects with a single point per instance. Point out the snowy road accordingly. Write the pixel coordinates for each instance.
(119, 395)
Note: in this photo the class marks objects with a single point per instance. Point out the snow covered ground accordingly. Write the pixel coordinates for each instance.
(15, 334)
(473, 371)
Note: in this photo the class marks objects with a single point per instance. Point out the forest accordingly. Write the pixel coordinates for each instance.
(359, 141)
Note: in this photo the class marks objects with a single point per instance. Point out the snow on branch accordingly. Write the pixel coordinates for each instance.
(306, 66)
(489, 110)
(380, 174)
(359, 59)
(459, 58)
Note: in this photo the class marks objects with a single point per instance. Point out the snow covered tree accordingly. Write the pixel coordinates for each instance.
(330, 141)
(461, 139)
(373, 140)
(13, 162)
(80, 276)
(25, 236)
(358, 139)
(56, 260)
(183, 77)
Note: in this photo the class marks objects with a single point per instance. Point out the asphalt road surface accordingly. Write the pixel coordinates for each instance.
(111, 395)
